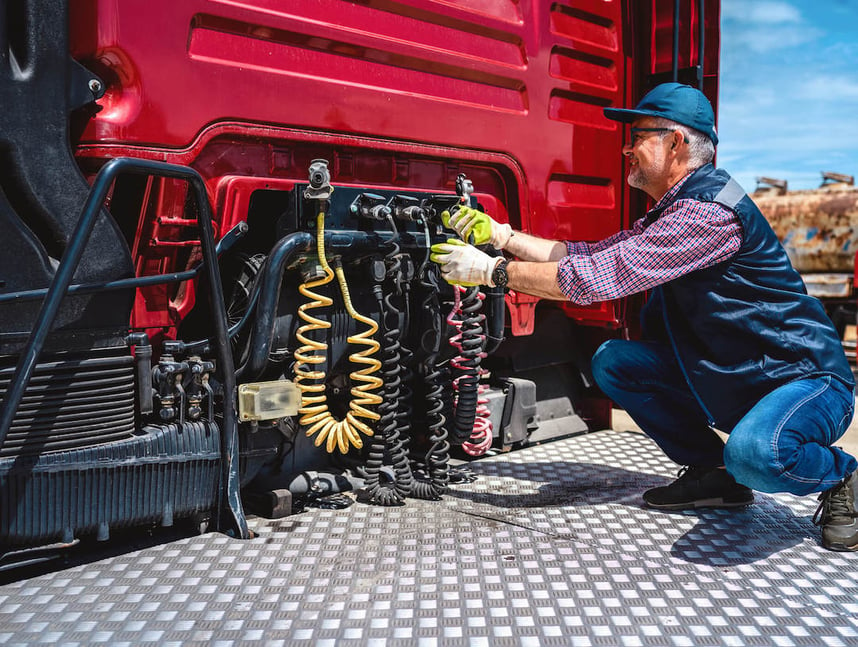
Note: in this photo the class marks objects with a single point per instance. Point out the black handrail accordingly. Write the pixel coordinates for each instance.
(229, 487)
(223, 245)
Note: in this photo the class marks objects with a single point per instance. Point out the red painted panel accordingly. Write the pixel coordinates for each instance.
(402, 93)
(396, 75)
(584, 27)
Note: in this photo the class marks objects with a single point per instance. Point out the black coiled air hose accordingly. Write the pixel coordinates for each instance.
(467, 367)
(405, 409)
(387, 442)
(437, 458)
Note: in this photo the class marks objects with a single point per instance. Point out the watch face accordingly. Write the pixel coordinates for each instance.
(499, 277)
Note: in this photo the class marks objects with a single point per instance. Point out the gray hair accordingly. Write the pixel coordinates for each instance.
(701, 150)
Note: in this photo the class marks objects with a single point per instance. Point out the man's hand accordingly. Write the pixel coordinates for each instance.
(463, 264)
(467, 221)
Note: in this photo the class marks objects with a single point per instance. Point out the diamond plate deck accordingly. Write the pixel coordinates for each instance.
(551, 546)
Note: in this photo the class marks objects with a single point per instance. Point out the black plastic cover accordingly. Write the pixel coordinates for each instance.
(42, 190)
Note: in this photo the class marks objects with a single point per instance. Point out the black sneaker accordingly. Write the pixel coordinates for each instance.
(838, 516)
(699, 487)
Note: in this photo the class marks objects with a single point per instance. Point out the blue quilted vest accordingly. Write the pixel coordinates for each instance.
(745, 326)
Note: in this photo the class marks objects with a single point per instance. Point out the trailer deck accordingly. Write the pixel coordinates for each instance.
(551, 545)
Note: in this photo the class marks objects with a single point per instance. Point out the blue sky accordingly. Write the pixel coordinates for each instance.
(788, 102)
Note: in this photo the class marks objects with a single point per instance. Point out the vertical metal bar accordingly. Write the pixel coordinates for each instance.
(701, 41)
(675, 64)
(230, 486)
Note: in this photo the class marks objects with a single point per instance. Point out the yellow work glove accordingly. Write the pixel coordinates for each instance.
(463, 264)
(467, 221)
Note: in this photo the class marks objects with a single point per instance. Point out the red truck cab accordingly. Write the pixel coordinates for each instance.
(164, 233)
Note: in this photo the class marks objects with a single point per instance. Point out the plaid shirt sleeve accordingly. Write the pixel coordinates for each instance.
(690, 235)
(591, 248)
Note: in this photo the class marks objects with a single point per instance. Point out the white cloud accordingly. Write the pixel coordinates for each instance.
(831, 89)
(764, 26)
(760, 13)
(775, 38)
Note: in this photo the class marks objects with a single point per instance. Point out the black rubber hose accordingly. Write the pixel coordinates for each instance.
(495, 309)
(436, 461)
(405, 408)
(387, 440)
(468, 373)
(262, 335)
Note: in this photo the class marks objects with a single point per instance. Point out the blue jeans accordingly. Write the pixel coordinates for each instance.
(783, 444)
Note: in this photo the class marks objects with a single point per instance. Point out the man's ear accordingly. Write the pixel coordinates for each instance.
(675, 141)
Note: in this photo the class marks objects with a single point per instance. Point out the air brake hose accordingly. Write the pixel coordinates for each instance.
(389, 441)
(481, 434)
(436, 476)
(335, 434)
(469, 341)
(362, 394)
(404, 406)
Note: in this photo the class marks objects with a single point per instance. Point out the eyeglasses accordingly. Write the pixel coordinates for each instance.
(635, 133)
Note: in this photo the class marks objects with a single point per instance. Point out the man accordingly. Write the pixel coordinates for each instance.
(731, 340)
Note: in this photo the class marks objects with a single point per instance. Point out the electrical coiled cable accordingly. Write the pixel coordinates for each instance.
(335, 434)
(468, 341)
(404, 407)
(388, 442)
(481, 435)
(437, 478)
(469, 429)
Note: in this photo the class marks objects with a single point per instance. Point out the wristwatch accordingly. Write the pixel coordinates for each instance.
(499, 276)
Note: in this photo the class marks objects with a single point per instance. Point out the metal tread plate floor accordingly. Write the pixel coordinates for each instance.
(550, 546)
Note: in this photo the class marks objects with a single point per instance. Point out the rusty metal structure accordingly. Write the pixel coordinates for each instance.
(819, 229)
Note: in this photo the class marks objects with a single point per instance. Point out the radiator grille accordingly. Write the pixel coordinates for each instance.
(71, 403)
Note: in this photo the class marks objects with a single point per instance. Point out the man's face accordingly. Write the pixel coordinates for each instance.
(647, 154)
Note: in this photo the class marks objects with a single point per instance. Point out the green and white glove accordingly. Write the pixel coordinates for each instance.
(467, 221)
(463, 264)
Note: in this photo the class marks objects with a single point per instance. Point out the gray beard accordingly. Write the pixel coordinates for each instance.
(640, 179)
(637, 178)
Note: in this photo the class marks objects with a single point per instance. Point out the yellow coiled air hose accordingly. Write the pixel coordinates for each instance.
(336, 434)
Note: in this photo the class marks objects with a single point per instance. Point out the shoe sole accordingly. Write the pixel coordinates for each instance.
(703, 503)
(841, 548)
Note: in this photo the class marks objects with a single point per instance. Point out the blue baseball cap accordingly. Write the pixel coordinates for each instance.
(680, 103)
